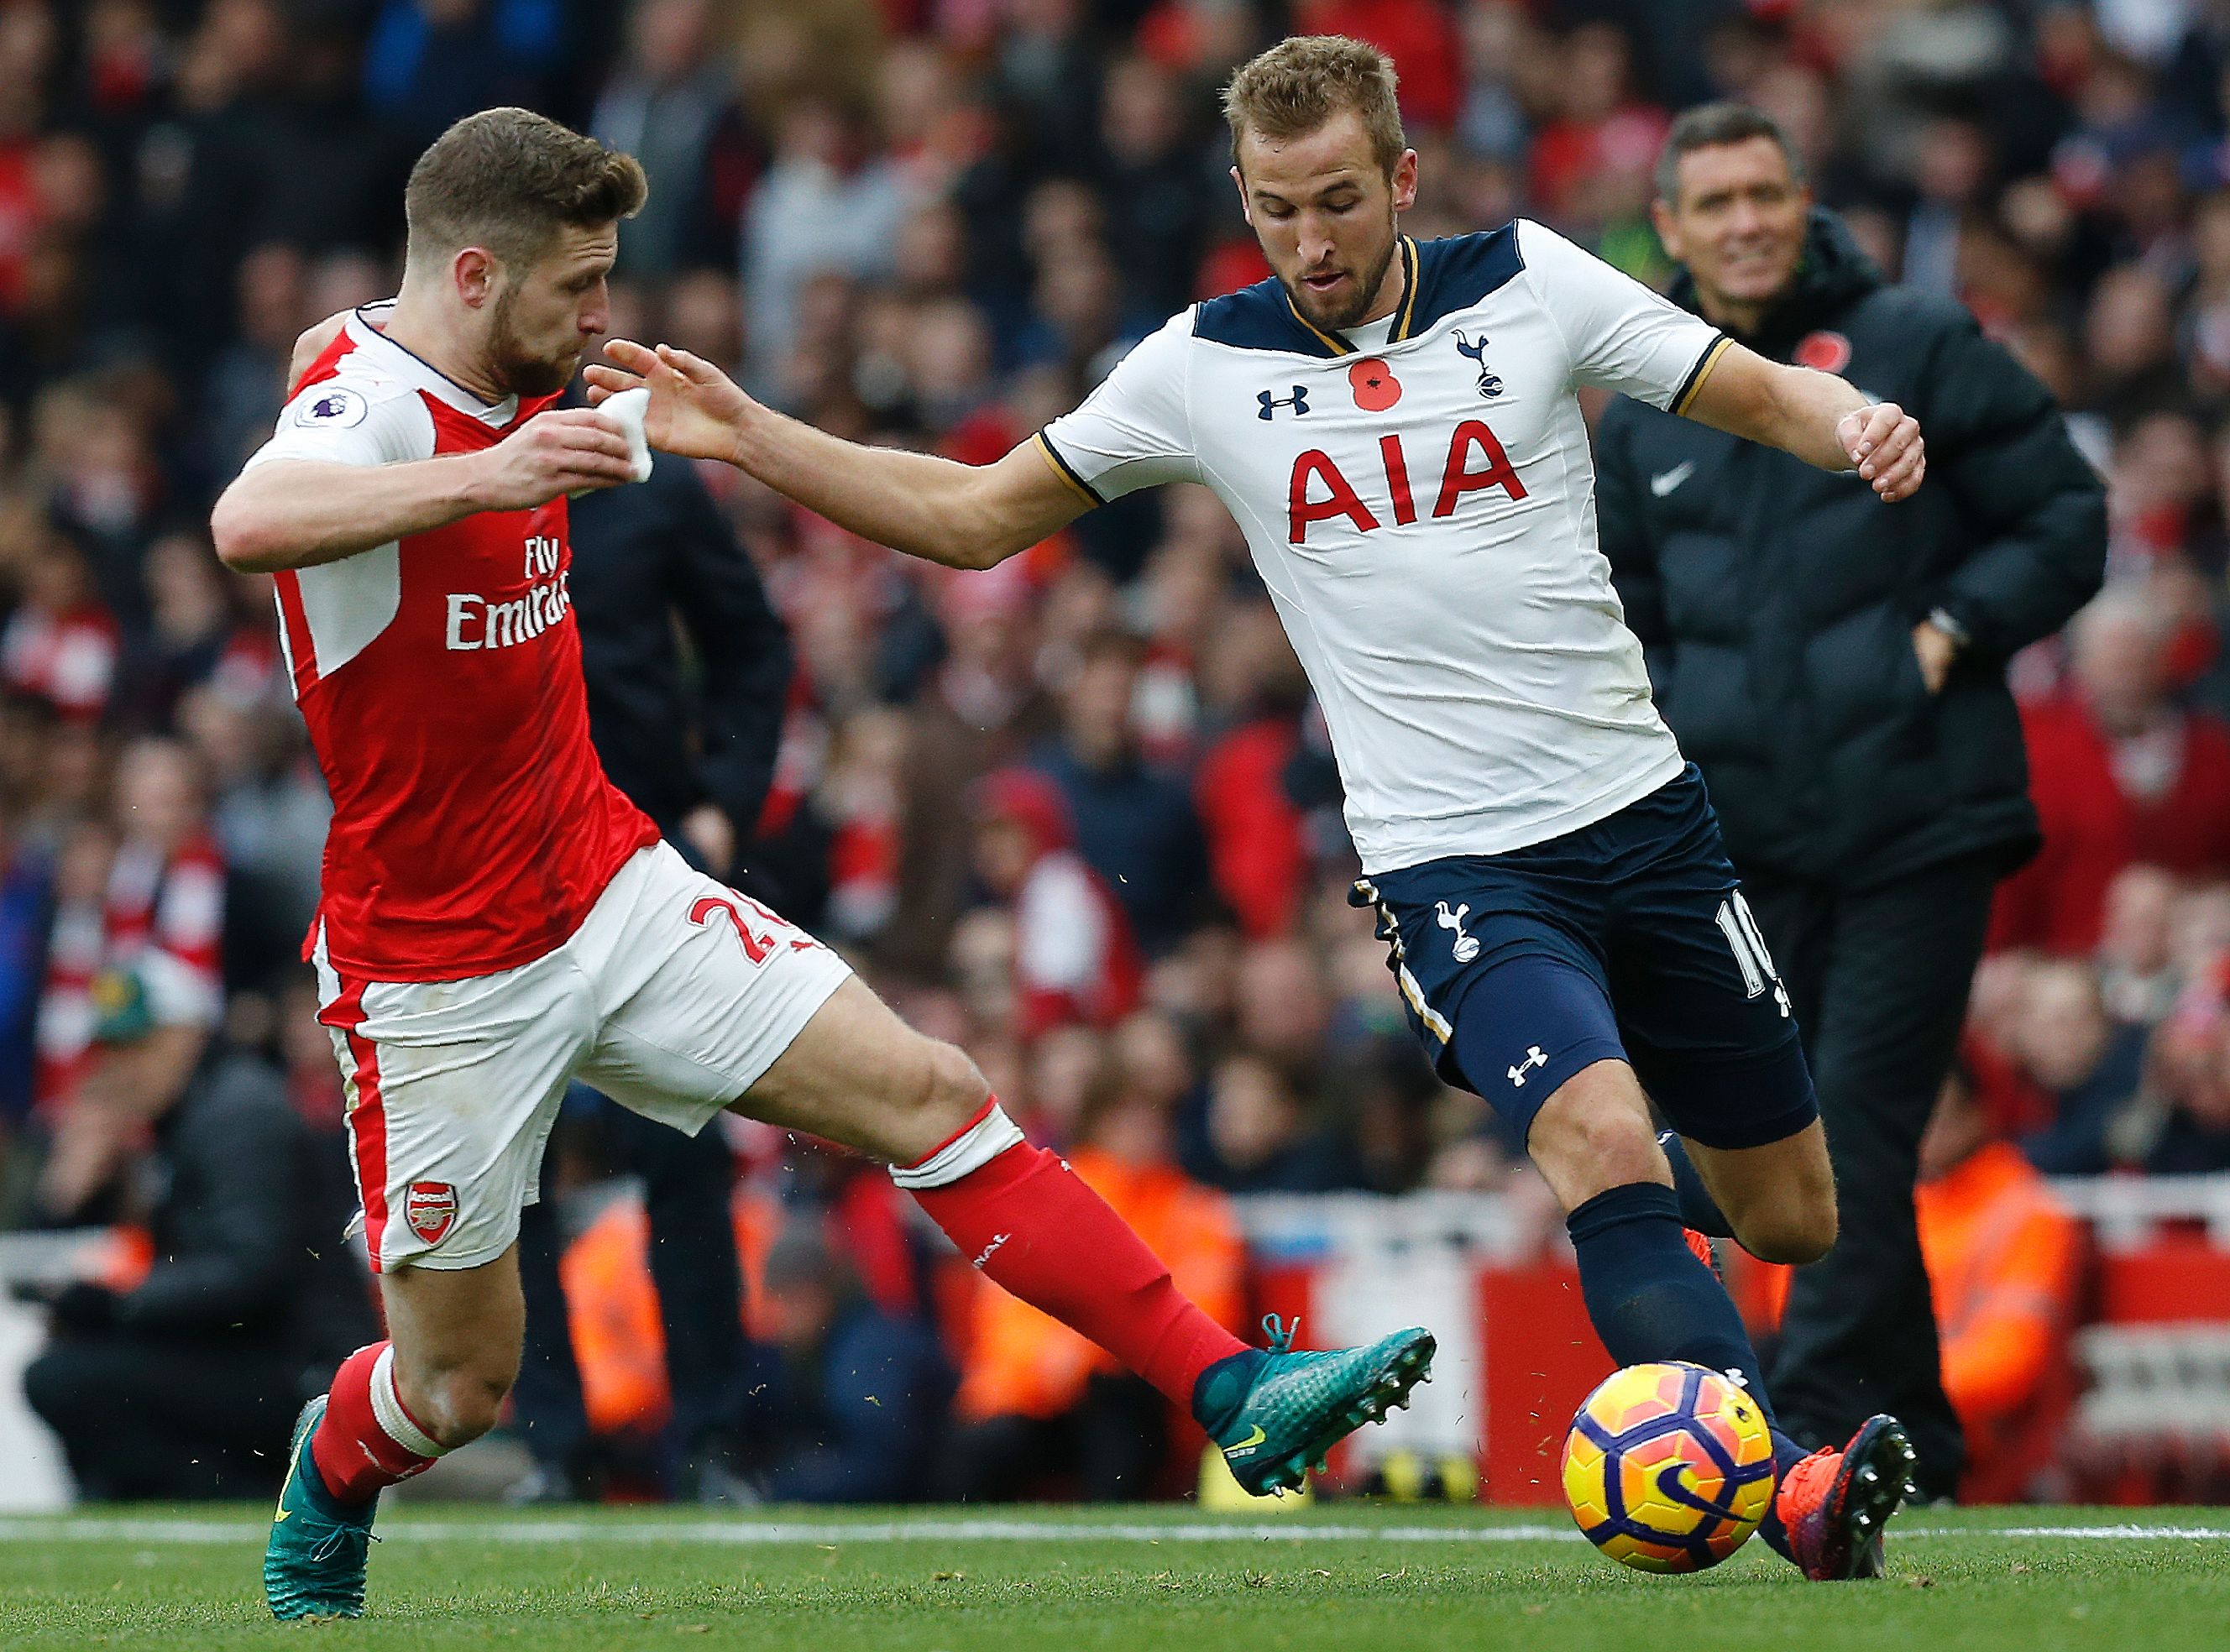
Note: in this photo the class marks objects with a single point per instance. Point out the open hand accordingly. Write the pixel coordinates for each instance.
(1883, 442)
(695, 410)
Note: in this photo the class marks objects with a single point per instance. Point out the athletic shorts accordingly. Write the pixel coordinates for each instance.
(1628, 939)
(674, 996)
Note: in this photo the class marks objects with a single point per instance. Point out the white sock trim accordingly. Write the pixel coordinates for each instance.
(387, 1409)
(971, 1150)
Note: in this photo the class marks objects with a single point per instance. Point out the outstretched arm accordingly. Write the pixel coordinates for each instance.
(1814, 415)
(962, 515)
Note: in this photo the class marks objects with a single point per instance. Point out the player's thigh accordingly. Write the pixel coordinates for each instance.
(453, 1087)
(1702, 1009)
(859, 1076)
(1497, 975)
(722, 1002)
(1537, 1037)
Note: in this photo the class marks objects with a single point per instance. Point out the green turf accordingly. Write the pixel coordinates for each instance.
(461, 1577)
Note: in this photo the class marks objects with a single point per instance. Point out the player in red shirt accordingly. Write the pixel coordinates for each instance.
(497, 920)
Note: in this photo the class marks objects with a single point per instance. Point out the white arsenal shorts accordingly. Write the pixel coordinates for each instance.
(672, 997)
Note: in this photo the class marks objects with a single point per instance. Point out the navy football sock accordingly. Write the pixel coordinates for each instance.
(1698, 1209)
(1651, 1299)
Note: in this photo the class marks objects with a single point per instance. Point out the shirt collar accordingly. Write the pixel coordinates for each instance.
(364, 326)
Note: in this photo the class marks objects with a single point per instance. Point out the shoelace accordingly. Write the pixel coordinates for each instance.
(338, 1539)
(1281, 1335)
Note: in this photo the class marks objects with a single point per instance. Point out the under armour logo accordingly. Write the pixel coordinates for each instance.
(1534, 1058)
(1490, 386)
(997, 1240)
(1298, 402)
(1465, 946)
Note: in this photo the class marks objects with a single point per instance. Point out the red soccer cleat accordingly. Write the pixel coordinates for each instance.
(1834, 1504)
(1701, 1244)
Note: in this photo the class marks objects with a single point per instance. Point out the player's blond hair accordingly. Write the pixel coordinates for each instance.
(509, 179)
(1301, 83)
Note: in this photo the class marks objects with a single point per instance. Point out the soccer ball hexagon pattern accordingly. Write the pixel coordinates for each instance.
(1668, 1467)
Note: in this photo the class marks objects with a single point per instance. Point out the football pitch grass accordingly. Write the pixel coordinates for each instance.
(1155, 1579)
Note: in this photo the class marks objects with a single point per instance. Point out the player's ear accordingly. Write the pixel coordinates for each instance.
(477, 272)
(1246, 206)
(1403, 183)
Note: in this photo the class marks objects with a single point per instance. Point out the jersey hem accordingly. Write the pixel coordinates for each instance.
(1577, 818)
(363, 969)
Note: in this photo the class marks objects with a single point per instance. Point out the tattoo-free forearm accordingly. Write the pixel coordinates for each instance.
(1794, 408)
(1807, 407)
(299, 513)
(919, 504)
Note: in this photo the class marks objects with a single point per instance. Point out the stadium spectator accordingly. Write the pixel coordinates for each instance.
(1848, 704)
(1075, 958)
(183, 1383)
(666, 104)
(153, 882)
(2120, 773)
(848, 1400)
(1258, 1138)
(2086, 1065)
(1134, 823)
(2005, 1265)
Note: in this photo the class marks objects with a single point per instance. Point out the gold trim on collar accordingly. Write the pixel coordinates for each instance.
(1407, 312)
(1338, 345)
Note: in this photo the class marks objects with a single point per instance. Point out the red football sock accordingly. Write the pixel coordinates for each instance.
(366, 1440)
(1028, 1220)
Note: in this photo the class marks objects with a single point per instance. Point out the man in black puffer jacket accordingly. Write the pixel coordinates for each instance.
(1837, 670)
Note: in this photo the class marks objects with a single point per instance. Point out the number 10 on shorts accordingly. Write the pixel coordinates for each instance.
(1747, 946)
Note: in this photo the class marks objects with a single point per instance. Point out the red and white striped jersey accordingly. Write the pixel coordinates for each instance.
(440, 676)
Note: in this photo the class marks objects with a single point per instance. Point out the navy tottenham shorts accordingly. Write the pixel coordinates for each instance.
(1628, 939)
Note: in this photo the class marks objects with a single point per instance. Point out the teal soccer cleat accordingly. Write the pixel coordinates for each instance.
(1275, 1413)
(314, 1563)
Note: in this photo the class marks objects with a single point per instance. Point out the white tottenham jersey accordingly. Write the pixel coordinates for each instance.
(1419, 499)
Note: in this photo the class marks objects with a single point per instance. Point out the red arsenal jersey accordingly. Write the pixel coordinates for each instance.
(440, 675)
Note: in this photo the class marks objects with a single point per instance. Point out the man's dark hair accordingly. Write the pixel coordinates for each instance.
(509, 180)
(1707, 125)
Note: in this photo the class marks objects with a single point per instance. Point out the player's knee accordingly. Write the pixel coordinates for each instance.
(460, 1405)
(952, 1090)
(1585, 1150)
(1794, 1233)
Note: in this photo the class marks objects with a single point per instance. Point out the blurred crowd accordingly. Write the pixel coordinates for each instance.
(1076, 813)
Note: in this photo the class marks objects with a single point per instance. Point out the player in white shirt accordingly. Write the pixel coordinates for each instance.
(1395, 428)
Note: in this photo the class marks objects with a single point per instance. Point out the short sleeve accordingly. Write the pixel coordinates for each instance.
(352, 419)
(1134, 430)
(1622, 336)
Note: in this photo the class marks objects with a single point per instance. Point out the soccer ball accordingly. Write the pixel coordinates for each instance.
(1668, 1468)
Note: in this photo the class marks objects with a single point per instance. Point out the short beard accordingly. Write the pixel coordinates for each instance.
(1359, 305)
(518, 370)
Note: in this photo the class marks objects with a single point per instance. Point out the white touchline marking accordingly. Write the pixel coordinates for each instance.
(784, 1533)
